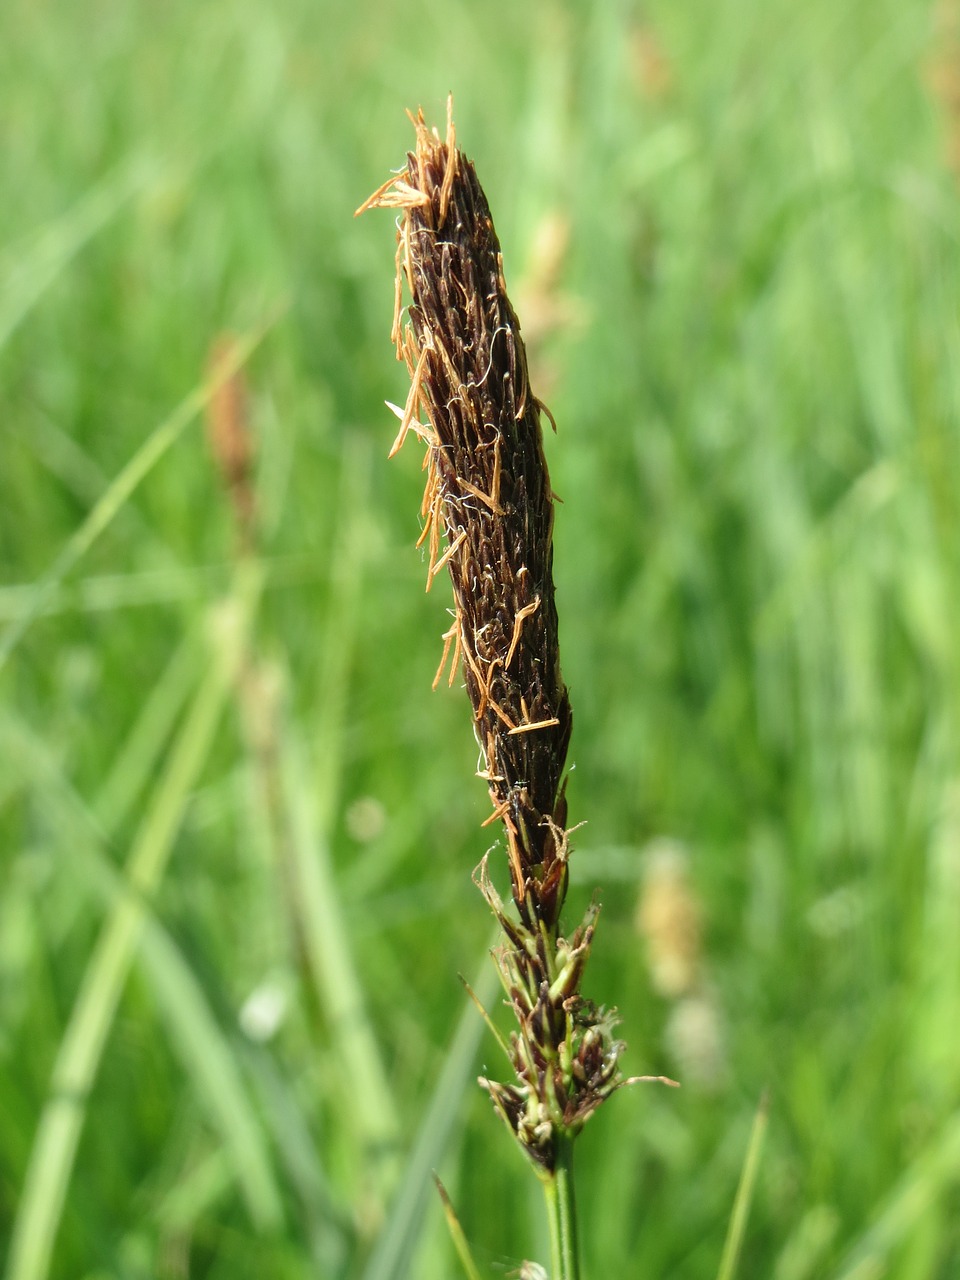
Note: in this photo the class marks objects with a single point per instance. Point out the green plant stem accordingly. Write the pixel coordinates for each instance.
(744, 1196)
(562, 1213)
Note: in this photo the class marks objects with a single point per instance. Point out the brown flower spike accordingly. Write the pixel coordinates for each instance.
(488, 495)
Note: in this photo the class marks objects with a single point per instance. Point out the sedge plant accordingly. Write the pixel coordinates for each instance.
(488, 513)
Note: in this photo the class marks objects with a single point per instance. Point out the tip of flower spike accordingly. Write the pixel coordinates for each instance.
(402, 196)
(396, 193)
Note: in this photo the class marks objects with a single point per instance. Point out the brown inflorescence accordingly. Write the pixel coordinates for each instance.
(488, 496)
(488, 491)
(231, 442)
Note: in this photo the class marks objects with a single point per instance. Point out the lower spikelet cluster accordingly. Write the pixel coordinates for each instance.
(488, 498)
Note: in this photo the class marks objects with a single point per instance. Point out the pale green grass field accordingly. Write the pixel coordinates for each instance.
(754, 363)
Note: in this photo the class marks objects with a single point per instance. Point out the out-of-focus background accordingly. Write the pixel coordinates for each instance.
(238, 828)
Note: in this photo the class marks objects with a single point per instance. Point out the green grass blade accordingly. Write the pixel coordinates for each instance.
(36, 267)
(310, 792)
(298, 1153)
(457, 1234)
(210, 1061)
(213, 1069)
(744, 1197)
(55, 1144)
(391, 1257)
(937, 1167)
(347, 569)
(106, 593)
(144, 744)
(209, 1181)
(330, 957)
(130, 477)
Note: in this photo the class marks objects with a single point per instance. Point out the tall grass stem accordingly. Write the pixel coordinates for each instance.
(744, 1196)
(561, 1200)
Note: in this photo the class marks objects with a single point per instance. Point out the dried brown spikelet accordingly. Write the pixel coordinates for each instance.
(653, 73)
(488, 492)
(942, 76)
(546, 308)
(669, 917)
(231, 440)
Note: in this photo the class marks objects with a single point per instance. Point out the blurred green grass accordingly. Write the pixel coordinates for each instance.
(755, 369)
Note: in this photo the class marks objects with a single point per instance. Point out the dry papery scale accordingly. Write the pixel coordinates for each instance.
(488, 497)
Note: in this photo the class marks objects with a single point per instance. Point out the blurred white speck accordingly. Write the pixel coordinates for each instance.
(263, 1011)
(694, 1038)
(365, 819)
(837, 912)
